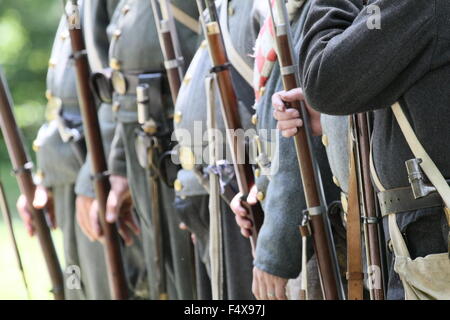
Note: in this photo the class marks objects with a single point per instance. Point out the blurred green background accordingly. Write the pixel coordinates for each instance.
(27, 28)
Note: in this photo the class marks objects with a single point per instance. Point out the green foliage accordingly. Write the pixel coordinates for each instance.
(27, 28)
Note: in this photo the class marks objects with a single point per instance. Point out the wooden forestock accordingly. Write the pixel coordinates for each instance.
(242, 167)
(116, 273)
(22, 169)
(324, 253)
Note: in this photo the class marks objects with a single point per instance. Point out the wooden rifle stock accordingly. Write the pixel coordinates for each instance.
(322, 238)
(22, 169)
(371, 220)
(116, 273)
(230, 111)
(168, 39)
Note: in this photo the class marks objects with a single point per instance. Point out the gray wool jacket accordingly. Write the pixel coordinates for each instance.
(349, 67)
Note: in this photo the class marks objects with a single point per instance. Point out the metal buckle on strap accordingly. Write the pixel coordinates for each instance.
(119, 82)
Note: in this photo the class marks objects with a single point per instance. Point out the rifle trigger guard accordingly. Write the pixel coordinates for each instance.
(27, 167)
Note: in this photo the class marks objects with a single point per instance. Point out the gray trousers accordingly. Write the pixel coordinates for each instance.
(238, 259)
(79, 251)
(179, 256)
(88, 257)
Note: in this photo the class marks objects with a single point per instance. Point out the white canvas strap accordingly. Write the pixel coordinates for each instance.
(233, 55)
(427, 164)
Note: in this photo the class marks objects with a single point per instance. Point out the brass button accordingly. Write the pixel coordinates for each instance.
(325, 140)
(48, 94)
(187, 158)
(117, 33)
(178, 185)
(39, 176)
(52, 63)
(187, 79)
(230, 11)
(257, 173)
(114, 64)
(344, 202)
(177, 117)
(255, 119)
(336, 181)
(260, 196)
(115, 106)
(262, 90)
(36, 146)
(64, 35)
(125, 9)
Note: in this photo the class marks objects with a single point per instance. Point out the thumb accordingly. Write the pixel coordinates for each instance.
(252, 196)
(40, 197)
(292, 95)
(112, 207)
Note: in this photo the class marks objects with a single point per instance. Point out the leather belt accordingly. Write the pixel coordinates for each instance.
(400, 200)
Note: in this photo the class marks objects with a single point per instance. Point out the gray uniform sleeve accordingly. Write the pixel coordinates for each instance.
(349, 67)
(116, 160)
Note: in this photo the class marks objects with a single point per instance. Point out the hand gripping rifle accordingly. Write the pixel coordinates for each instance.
(116, 273)
(22, 169)
(315, 217)
(370, 218)
(229, 104)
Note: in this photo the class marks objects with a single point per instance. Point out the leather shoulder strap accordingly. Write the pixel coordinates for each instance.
(233, 55)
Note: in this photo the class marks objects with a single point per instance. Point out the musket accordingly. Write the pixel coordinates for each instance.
(113, 255)
(9, 224)
(316, 212)
(170, 45)
(370, 213)
(230, 112)
(22, 167)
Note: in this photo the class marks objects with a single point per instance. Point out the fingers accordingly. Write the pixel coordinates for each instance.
(112, 207)
(236, 206)
(252, 196)
(255, 284)
(132, 223)
(292, 95)
(40, 197)
(124, 232)
(94, 221)
(288, 114)
(280, 289)
(245, 225)
(279, 99)
(83, 207)
(25, 214)
(262, 287)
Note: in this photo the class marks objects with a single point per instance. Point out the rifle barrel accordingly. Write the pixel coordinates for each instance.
(230, 112)
(22, 168)
(116, 272)
(322, 238)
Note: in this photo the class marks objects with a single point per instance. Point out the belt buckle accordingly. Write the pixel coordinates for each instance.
(119, 82)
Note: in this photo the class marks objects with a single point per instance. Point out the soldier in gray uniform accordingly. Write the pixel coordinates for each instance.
(61, 154)
(279, 189)
(406, 61)
(135, 57)
(192, 197)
